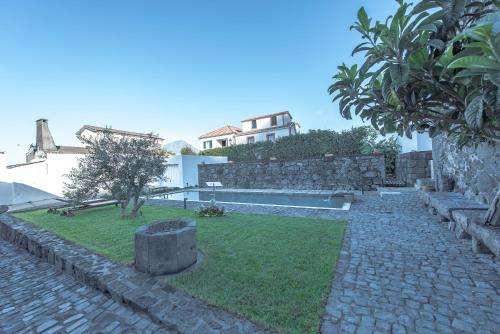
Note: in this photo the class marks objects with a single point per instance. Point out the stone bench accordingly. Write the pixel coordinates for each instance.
(470, 223)
(444, 203)
(466, 218)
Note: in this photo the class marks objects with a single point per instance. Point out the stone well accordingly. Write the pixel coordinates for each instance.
(165, 247)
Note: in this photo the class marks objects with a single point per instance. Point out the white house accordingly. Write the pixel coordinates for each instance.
(260, 128)
(47, 164)
(222, 137)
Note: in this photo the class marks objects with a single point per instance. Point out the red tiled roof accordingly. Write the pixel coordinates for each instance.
(270, 115)
(225, 130)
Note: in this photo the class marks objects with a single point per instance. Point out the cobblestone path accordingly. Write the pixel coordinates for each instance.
(401, 271)
(34, 298)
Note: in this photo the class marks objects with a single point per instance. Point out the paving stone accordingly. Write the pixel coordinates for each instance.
(24, 309)
(425, 280)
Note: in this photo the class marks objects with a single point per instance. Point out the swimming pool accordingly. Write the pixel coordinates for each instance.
(296, 200)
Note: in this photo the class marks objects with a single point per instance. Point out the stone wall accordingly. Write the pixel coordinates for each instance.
(340, 172)
(475, 171)
(412, 166)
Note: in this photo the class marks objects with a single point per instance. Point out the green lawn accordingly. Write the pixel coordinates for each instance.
(274, 270)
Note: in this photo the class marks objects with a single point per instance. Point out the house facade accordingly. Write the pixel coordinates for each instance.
(221, 137)
(255, 129)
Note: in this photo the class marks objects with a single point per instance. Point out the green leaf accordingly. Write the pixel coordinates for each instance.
(399, 74)
(475, 62)
(495, 78)
(474, 113)
(363, 18)
(437, 43)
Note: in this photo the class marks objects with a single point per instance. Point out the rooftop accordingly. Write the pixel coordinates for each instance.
(269, 115)
(225, 130)
(93, 128)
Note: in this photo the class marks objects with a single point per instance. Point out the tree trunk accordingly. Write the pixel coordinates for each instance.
(123, 208)
(138, 203)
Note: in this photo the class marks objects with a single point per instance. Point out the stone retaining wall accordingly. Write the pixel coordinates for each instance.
(412, 166)
(475, 170)
(360, 172)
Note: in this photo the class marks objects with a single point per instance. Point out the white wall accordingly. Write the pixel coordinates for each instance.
(47, 175)
(3, 165)
(262, 136)
(263, 123)
(418, 142)
(183, 169)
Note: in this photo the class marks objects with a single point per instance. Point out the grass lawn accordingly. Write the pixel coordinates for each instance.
(274, 270)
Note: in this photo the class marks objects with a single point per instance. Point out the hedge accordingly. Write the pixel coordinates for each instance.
(314, 144)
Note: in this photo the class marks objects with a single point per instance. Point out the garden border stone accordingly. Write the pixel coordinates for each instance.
(164, 304)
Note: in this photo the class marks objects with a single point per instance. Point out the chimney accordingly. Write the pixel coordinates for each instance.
(44, 140)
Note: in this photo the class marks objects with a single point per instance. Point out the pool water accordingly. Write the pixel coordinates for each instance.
(275, 199)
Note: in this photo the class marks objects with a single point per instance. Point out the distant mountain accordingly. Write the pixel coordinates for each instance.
(177, 145)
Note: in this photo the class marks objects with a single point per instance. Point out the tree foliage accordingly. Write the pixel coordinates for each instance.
(120, 166)
(432, 67)
(187, 150)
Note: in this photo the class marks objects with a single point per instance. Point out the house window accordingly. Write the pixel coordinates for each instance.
(274, 121)
(207, 144)
(270, 137)
(254, 124)
(223, 142)
(250, 140)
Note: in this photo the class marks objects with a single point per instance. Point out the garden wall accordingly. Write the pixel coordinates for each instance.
(412, 166)
(476, 171)
(340, 172)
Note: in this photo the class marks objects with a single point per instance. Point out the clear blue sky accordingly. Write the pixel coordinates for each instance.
(177, 68)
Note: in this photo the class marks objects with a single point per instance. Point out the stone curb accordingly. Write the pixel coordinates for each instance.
(166, 306)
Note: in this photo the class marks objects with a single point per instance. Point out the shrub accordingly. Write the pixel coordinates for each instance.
(187, 150)
(210, 210)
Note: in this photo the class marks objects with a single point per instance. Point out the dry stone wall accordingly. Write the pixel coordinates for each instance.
(474, 170)
(412, 166)
(339, 172)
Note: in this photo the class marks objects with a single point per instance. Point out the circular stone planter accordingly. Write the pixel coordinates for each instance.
(165, 247)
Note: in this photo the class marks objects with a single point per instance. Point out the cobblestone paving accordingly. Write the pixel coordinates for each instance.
(401, 271)
(34, 298)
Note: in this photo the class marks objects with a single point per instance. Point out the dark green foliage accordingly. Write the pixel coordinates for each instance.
(432, 67)
(315, 144)
(187, 150)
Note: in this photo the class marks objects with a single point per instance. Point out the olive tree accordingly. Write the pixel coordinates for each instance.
(430, 67)
(120, 166)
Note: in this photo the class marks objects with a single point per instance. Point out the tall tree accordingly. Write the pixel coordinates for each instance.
(120, 166)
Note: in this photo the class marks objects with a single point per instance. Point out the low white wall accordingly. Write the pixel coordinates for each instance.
(47, 175)
(182, 170)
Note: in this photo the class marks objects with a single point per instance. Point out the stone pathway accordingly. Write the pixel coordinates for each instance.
(34, 298)
(401, 271)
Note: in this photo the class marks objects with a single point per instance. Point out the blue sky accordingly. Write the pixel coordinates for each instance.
(177, 68)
